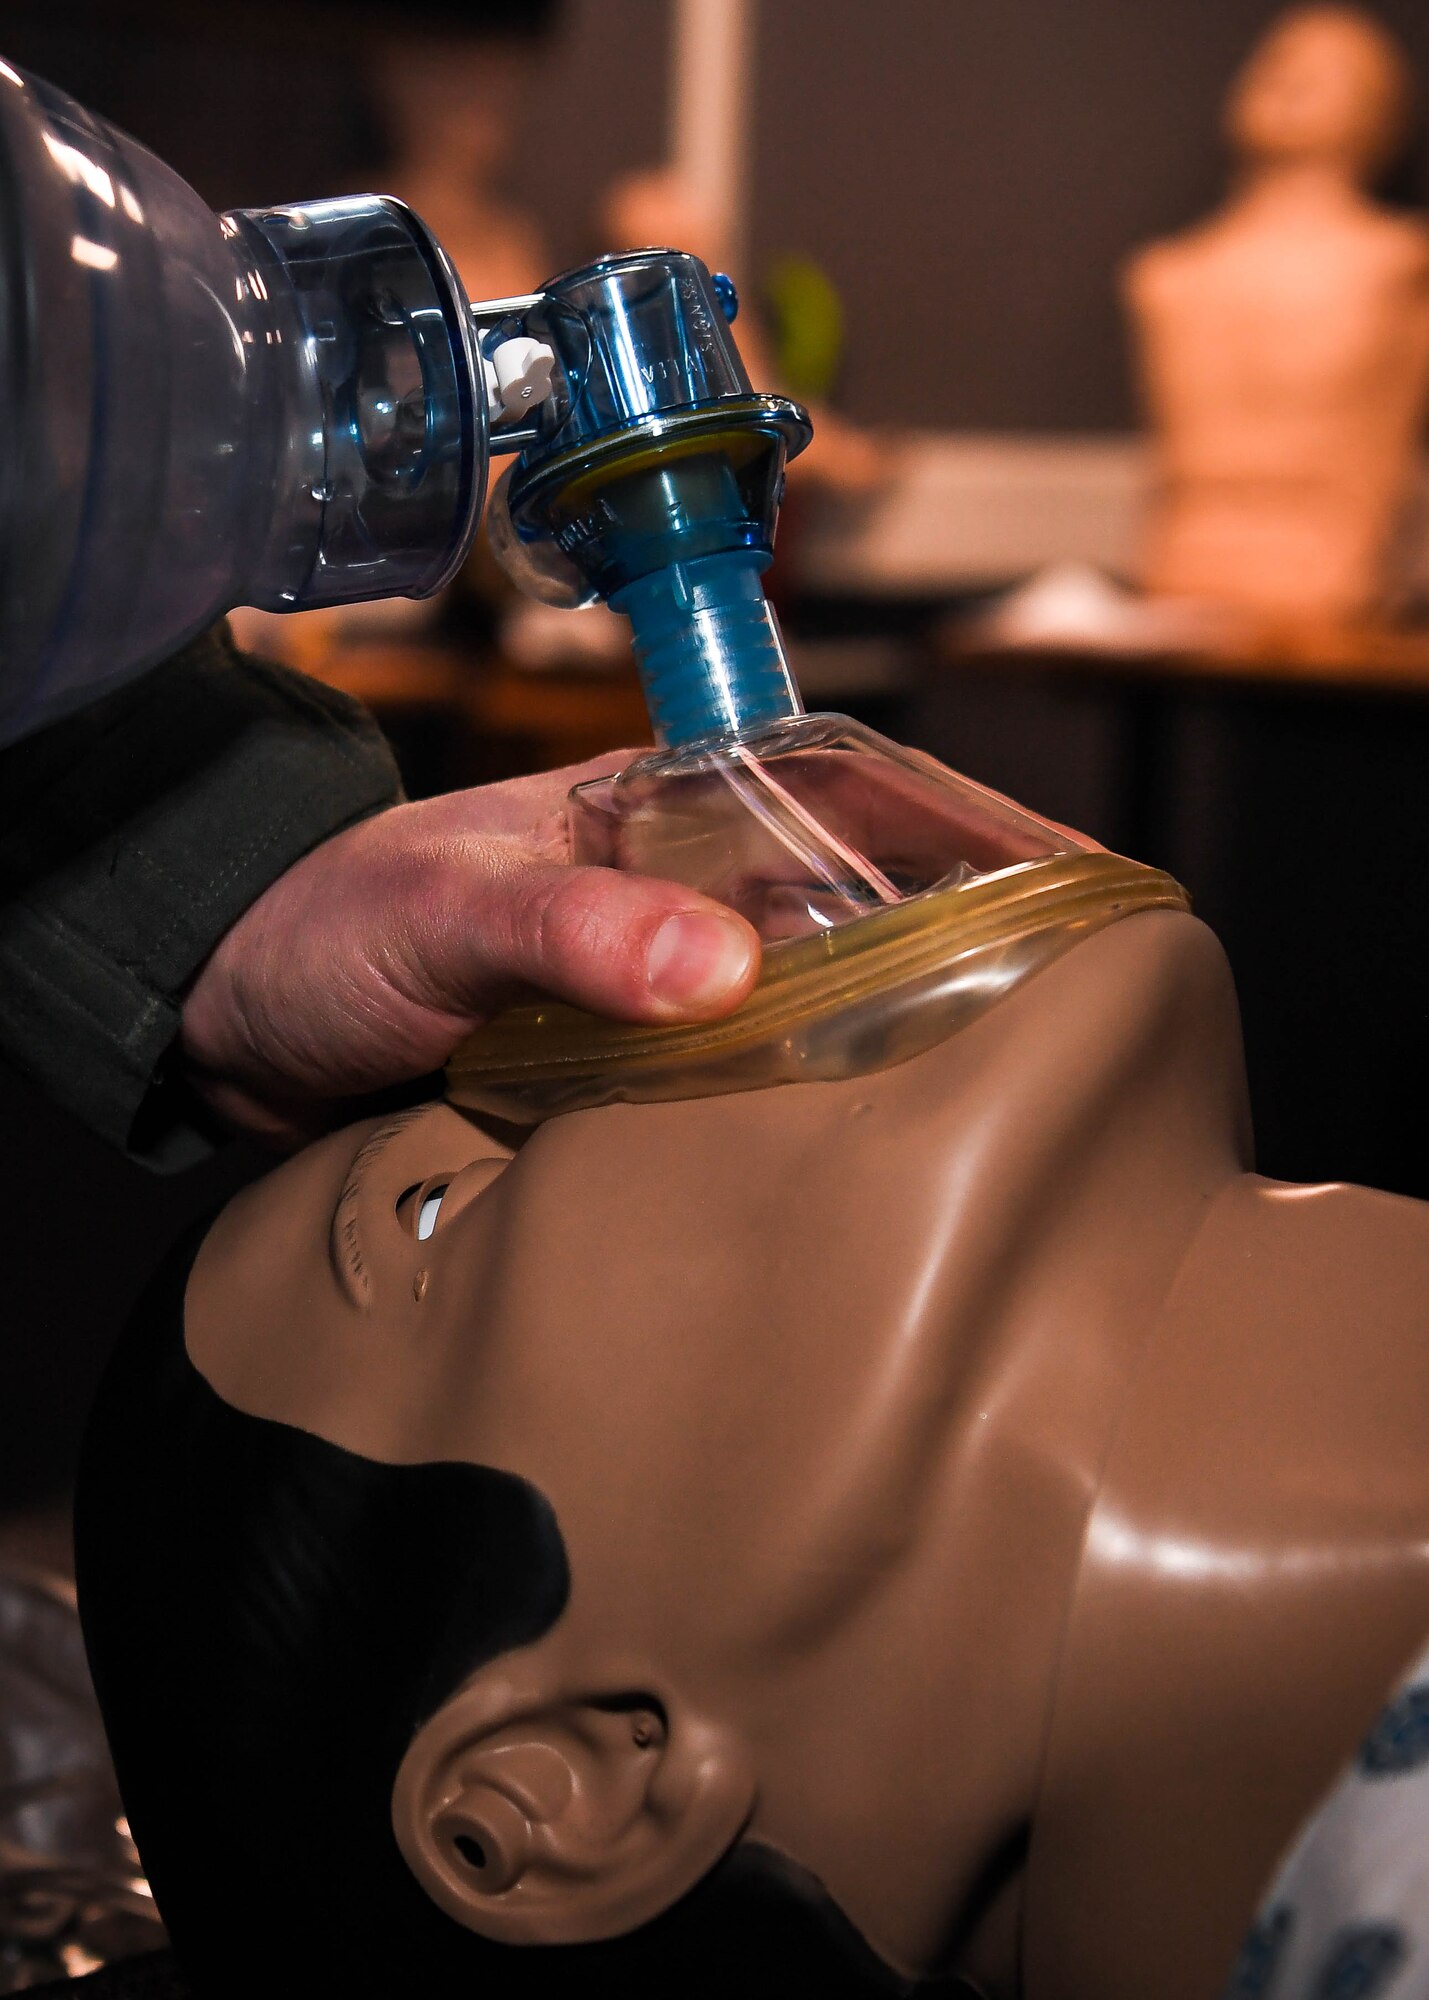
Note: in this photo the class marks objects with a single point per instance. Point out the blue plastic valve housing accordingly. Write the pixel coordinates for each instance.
(658, 476)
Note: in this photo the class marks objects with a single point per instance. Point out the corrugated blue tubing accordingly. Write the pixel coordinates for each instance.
(707, 647)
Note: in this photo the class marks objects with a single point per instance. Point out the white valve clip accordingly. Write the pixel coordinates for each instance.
(518, 376)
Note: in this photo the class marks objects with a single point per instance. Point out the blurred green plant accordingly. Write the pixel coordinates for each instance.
(807, 326)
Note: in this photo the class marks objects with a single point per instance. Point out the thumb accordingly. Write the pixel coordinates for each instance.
(624, 945)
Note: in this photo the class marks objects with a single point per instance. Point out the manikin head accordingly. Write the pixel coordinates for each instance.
(1327, 86)
(453, 101)
(638, 1494)
(638, 1562)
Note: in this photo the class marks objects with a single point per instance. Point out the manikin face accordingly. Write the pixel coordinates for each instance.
(1325, 85)
(800, 1374)
(454, 101)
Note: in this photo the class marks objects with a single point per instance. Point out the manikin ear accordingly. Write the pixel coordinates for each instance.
(534, 1817)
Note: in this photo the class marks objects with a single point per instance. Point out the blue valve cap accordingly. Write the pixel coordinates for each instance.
(726, 294)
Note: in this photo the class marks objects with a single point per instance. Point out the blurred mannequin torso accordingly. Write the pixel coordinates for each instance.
(1285, 344)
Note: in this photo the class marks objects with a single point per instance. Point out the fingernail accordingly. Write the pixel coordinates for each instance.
(696, 959)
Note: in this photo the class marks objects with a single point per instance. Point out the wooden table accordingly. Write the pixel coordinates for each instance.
(1358, 659)
(544, 719)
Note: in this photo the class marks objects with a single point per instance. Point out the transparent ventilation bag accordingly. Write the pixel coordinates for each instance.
(270, 407)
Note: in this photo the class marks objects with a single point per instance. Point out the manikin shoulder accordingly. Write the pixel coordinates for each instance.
(1376, 245)
(1394, 247)
(1155, 269)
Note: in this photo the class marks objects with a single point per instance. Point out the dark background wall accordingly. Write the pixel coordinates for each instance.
(972, 173)
(969, 173)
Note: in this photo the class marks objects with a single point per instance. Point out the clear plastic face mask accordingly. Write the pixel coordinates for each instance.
(807, 824)
(836, 1002)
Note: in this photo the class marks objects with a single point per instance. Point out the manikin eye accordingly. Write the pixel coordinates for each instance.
(419, 1206)
(429, 1205)
(430, 1209)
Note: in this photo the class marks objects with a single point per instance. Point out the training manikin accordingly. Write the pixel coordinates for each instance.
(954, 1519)
(1284, 341)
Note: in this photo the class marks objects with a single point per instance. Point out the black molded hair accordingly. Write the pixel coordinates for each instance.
(269, 1618)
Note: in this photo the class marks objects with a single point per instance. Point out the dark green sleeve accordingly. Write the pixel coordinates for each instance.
(132, 836)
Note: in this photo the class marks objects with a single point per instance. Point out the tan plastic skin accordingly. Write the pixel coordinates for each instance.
(964, 1452)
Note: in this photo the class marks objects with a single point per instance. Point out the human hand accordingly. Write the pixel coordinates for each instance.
(365, 964)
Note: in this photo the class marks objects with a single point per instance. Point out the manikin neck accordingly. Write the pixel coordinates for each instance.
(1288, 191)
(1021, 1211)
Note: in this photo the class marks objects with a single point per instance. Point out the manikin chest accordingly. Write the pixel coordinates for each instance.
(1266, 322)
